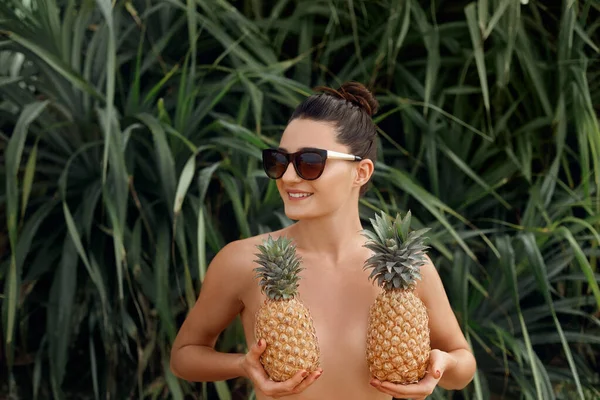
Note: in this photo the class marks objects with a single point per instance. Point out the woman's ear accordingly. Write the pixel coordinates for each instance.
(364, 171)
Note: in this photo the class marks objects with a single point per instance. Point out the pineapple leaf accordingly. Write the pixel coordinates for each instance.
(279, 267)
(389, 265)
(398, 253)
(414, 235)
(370, 235)
(404, 225)
(379, 226)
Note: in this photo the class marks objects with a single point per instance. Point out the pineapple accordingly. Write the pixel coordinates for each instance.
(283, 321)
(398, 343)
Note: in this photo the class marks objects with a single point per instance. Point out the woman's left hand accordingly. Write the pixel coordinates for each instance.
(439, 361)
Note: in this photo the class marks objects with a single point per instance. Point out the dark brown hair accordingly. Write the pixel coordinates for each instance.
(349, 108)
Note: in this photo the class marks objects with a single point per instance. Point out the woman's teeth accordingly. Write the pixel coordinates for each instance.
(299, 195)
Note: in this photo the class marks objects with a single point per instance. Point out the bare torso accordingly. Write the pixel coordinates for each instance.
(338, 295)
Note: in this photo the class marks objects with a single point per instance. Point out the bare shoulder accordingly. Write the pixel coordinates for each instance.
(236, 259)
(236, 253)
(430, 287)
(242, 250)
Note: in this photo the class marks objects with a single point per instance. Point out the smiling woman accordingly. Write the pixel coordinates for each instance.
(339, 182)
(131, 133)
(329, 142)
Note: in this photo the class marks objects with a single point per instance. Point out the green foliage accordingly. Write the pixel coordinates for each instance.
(131, 135)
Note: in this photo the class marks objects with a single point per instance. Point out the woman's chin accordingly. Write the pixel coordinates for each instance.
(294, 214)
(297, 212)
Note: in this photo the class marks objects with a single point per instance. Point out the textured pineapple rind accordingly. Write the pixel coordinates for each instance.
(398, 343)
(292, 343)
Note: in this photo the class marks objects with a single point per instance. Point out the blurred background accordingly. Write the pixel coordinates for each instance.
(130, 138)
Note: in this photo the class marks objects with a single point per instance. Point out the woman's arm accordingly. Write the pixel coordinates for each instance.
(193, 356)
(459, 370)
(445, 332)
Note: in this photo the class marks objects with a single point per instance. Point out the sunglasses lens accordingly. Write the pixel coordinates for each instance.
(310, 165)
(274, 164)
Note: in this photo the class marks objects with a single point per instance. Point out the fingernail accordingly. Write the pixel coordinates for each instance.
(304, 373)
(318, 375)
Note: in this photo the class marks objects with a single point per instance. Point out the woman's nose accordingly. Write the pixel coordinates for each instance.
(290, 174)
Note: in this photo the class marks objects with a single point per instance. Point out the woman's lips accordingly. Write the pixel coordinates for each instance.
(298, 195)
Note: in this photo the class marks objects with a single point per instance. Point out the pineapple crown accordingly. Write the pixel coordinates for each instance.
(399, 254)
(279, 268)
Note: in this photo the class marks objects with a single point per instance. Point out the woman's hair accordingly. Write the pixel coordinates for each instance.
(349, 109)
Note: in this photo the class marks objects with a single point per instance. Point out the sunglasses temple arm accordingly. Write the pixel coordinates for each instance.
(342, 156)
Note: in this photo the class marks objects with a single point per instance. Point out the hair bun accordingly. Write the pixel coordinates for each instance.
(355, 93)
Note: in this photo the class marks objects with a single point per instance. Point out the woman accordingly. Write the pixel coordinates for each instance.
(323, 199)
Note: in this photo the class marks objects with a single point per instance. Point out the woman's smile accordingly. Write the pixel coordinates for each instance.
(298, 195)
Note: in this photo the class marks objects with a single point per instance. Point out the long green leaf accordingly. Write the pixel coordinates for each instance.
(584, 263)
(477, 41)
(539, 268)
(507, 252)
(57, 65)
(92, 269)
(164, 157)
(201, 233)
(174, 386)
(185, 179)
(14, 151)
(223, 390)
(28, 178)
(232, 190)
(62, 299)
(161, 281)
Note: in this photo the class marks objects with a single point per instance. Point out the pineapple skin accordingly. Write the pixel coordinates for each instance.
(292, 343)
(398, 343)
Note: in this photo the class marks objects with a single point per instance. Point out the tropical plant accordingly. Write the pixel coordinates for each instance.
(131, 135)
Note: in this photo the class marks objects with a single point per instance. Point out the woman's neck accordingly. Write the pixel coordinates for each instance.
(330, 236)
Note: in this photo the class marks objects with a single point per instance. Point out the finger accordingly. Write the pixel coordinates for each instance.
(309, 380)
(295, 380)
(410, 390)
(396, 395)
(377, 385)
(258, 348)
(286, 387)
(257, 370)
(436, 367)
(416, 390)
(440, 361)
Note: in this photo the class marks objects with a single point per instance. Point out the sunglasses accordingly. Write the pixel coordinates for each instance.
(309, 163)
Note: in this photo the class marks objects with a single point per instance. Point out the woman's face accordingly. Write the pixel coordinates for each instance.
(337, 185)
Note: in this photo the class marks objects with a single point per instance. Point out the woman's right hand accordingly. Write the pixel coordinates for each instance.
(254, 371)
